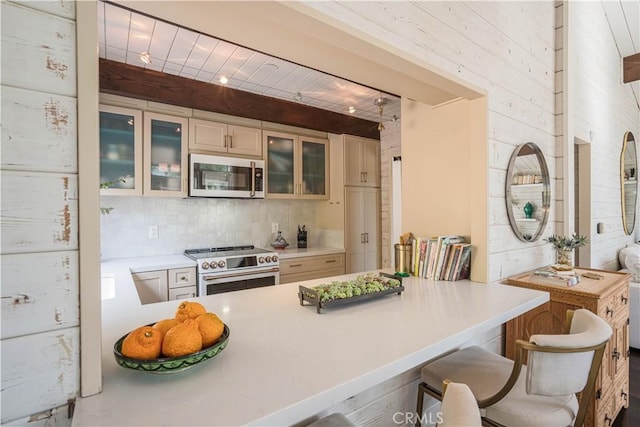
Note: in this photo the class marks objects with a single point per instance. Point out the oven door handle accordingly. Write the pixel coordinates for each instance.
(248, 273)
(253, 179)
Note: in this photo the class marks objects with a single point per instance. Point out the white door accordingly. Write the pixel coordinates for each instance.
(207, 135)
(371, 219)
(354, 225)
(371, 162)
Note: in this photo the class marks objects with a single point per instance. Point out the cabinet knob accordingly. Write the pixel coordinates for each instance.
(609, 311)
(615, 354)
(623, 395)
(624, 299)
(599, 394)
(607, 420)
(183, 278)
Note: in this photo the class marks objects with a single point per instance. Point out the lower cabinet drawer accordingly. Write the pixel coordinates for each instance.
(183, 293)
(181, 277)
(310, 275)
(321, 262)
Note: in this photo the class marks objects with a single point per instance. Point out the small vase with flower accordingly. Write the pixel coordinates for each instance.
(564, 246)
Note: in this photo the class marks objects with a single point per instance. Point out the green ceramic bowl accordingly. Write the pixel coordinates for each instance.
(170, 365)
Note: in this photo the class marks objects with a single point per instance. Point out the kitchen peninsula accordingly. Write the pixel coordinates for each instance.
(284, 362)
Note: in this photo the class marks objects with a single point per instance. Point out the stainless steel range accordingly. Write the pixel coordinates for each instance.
(233, 268)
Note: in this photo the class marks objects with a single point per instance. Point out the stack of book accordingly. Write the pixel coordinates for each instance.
(441, 258)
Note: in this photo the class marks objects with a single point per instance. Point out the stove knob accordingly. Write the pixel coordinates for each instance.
(261, 260)
(221, 264)
(205, 265)
(267, 259)
(213, 264)
(274, 258)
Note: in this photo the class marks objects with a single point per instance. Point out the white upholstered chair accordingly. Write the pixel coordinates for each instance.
(541, 393)
(459, 407)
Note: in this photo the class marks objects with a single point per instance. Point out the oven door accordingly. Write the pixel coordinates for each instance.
(209, 284)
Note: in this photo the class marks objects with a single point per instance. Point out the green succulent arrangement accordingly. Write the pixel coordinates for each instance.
(567, 242)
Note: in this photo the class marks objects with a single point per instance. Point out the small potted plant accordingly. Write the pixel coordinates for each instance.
(564, 246)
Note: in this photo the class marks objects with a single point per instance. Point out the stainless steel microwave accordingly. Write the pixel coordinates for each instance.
(218, 176)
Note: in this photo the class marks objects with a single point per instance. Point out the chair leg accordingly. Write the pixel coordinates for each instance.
(420, 404)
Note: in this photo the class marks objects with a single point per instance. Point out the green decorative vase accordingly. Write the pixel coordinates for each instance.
(528, 210)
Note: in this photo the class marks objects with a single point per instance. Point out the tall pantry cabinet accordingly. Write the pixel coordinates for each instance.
(362, 203)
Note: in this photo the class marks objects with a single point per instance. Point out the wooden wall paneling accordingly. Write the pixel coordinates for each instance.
(631, 68)
(39, 372)
(38, 50)
(39, 292)
(65, 9)
(39, 212)
(38, 131)
(127, 80)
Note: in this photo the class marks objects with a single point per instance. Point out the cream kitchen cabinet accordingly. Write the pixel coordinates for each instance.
(165, 285)
(121, 150)
(311, 267)
(297, 166)
(362, 228)
(361, 161)
(208, 136)
(165, 158)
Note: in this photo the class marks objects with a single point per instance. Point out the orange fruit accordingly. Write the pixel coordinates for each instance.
(142, 343)
(164, 325)
(189, 310)
(211, 328)
(184, 338)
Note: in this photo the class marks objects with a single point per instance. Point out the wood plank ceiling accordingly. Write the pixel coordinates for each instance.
(624, 21)
(124, 35)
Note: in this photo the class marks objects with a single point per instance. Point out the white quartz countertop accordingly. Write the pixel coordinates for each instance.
(149, 263)
(284, 362)
(294, 252)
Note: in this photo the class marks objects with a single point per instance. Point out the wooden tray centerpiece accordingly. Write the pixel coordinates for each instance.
(343, 292)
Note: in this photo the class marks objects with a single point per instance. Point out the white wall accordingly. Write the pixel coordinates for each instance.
(38, 214)
(506, 48)
(604, 109)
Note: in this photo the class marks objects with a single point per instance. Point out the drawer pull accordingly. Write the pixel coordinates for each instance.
(331, 260)
(623, 395)
(599, 394)
(624, 299)
(295, 265)
(183, 278)
(607, 419)
(615, 354)
(609, 311)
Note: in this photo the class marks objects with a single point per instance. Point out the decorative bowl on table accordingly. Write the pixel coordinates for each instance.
(170, 365)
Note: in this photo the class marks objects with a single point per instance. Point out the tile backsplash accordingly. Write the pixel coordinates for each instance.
(197, 223)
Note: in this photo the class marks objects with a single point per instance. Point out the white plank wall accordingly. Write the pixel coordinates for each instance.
(596, 75)
(38, 214)
(506, 48)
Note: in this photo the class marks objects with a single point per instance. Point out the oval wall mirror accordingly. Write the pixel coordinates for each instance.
(628, 182)
(528, 192)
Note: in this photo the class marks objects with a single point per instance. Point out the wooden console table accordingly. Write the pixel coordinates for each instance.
(607, 297)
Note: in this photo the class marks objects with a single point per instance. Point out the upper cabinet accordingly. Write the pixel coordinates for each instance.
(165, 155)
(297, 166)
(120, 150)
(209, 136)
(362, 161)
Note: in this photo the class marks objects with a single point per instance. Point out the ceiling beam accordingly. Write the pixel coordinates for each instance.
(136, 82)
(631, 68)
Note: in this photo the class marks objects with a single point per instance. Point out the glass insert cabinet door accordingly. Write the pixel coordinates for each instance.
(280, 154)
(120, 151)
(297, 166)
(314, 170)
(165, 155)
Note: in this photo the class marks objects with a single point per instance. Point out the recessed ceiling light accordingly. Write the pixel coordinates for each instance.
(224, 80)
(298, 96)
(352, 109)
(145, 57)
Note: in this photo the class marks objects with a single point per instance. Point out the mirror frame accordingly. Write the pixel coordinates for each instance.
(546, 196)
(628, 137)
